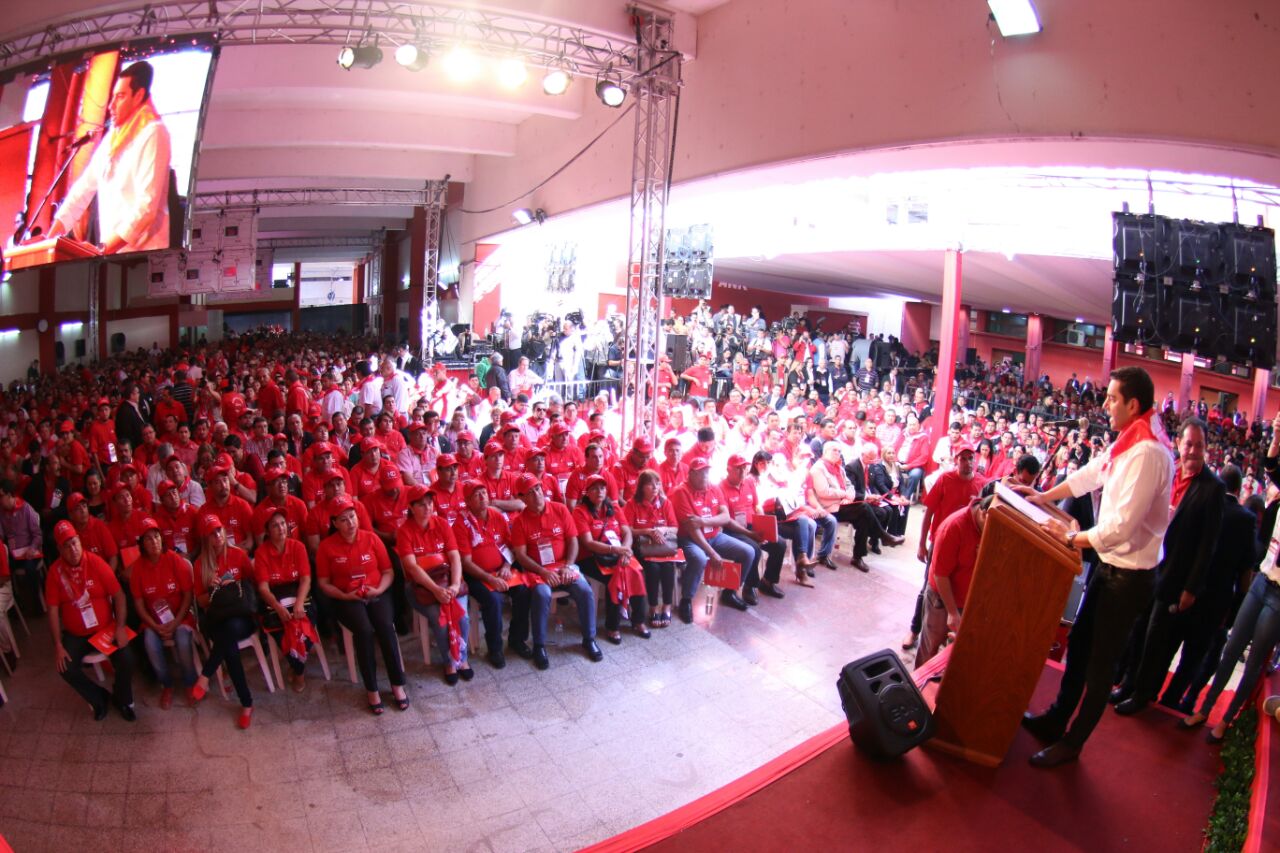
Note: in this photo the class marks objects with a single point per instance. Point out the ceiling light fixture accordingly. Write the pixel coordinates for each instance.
(461, 65)
(609, 90)
(360, 56)
(1015, 17)
(512, 73)
(556, 82)
(524, 215)
(412, 57)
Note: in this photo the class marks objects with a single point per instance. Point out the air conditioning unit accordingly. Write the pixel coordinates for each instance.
(1075, 337)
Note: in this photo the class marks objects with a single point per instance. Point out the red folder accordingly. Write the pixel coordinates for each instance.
(105, 640)
(766, 526)
(729, 576)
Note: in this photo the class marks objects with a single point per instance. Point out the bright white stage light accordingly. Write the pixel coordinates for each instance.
(512, 73)
(610, 92)
(461, 65)
(556, 82)
(412, 57)
(1015, 17)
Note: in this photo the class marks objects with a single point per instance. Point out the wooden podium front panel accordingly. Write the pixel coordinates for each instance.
(48, 251)
(1014, 605)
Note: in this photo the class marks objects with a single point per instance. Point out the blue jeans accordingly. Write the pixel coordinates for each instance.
(911, 483)
(827, 542)
(1257, 622)
(727, 547)
(583, 598)
(440, 633)
(182, 641)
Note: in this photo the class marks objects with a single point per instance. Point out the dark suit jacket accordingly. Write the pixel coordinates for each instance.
(1081, 509)
(129, 423)
(497, 378)
(1191, 539)
(881, 482)
(857, 477)
(1236, 555)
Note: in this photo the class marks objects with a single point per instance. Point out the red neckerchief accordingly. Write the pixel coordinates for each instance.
(836, 470)
(1139, 430)
(74, 578)
(1180, 486)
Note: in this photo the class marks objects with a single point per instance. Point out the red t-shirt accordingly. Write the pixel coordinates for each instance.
(627, 476)
(164, 580)
(598, 526)
(321, 516)
(125, 532)
(93, 585)
(385, 512)
(513, 461)
(647, 516)
(672, 475)
(702, 504)
(955, 551)
(234, 562)
(175, 527)
(313, 484)
(428, 545)
(96, 539)
(470, 469)
(500, 487)
(273, 567)
(364, 481)
(949, 493)
(237, 519)
(449, 505)
(295, 512)
(553, 529)
(573, 489)
(562, 463)
(741, 499)
(350, 566)
(484, 540)
(699, 378)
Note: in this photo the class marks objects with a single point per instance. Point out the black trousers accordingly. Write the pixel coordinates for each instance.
(370, 621)
(95, 694)
(1166, 632)
(491, 612)
(659, 577)
(774, 552)
(224, 650)
(1198, 639)
(1113, 602)
(638, 605)
(867, 524)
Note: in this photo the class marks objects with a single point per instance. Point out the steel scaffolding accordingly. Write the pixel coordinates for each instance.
(303, 196)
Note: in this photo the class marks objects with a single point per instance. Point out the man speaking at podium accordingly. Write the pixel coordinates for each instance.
(129, 173)
(1136, 477)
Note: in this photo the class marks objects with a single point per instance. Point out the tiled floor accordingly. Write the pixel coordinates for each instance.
(515, 760)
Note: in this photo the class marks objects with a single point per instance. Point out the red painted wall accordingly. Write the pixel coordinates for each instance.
(916, 317)
(486, 309)
(774, 305)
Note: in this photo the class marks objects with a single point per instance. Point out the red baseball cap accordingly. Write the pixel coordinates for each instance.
(670, 441)
(218, 468)
(737, 460)
(166, 485)
(537, 451)
(66, 426)
(417, 427)
(320, 448)
(526, 483)
(642, 445)
(75, 500)
(103, 401)
(446, 460)
(417, 493)
(467, 435)
(279, 437)
(148, 524)
(273, 474)
(469, 487)
(507, 417)
(207, 524)
(336, 474)
(559, 428)
(962, 447)
(510, 428)
(62, 531)
(493, 448)
(389, 474)
(698, 463)
(594, 480)
(341, 503)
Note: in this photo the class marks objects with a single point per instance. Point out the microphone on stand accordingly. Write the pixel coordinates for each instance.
(23, 233)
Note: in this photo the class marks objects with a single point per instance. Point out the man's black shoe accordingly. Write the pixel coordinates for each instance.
(497, 659)
(100, 714)
(731, 598)
(540, 659)
(749, 596)
(828, 562)
(1131, 706)
(521, 648)
(685, 610)
(772, 590)
(1051, 756)
(875, 547)
(592, 650)
(1043, 727)
(1119, 694)
(126, 711)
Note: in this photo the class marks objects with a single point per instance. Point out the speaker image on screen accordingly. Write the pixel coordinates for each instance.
(1134, 311)
(887, 715)
(678, 352)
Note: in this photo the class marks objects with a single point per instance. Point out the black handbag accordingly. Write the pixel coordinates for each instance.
(236, 599)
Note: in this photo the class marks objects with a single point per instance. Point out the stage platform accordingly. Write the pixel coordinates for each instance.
(1141, 784)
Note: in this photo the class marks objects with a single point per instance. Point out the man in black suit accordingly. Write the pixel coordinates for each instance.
(130, 419)
(870, 515)
(1182, 577)
(1233, 563)
(497, 376)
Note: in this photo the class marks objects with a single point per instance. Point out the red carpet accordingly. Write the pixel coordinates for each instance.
(1141, 784)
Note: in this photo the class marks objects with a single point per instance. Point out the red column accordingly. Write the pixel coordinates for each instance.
(295, 312)
(391, 290)
(1184, 386)
(357, 284)
(174, 329)
(102, 311)
(1035, 340)
(915, 326)
(46, 340)
(948, 339)
(1109, 349)
(1258, 402)
(417, 274)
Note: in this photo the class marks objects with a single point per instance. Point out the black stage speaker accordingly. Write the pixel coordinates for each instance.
(678, 352)
(887, 715)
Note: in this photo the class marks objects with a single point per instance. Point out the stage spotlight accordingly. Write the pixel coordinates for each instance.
(524, 215)
(556, 82)
(412, 57)
(360, 56)
(610, 92)
(461, 65)
(512, 73)
(1015, 17)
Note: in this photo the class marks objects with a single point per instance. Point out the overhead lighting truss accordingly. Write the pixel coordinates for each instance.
(537, 43)
(232, 199)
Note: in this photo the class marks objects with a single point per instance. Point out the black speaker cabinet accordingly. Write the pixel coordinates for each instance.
(887, 715)
(678, 352)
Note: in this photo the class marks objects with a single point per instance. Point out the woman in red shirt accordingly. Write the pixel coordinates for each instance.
(605, 538)
(160, 582)
(433, 571)
(220, 569)
(653, 525)
(283, 576)
(354, 570)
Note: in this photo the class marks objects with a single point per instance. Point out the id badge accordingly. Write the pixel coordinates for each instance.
(111, 452)
(357, 582)
(87, 616)
(563, 482)
(612, 536)
(163, 614)
(179, 543)
(546, 554)
(56, 500)
(507, 555)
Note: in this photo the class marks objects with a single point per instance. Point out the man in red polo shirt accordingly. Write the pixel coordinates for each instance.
(544, 542)
(470, 462)
(699, 378)
(704, 516)
(740, 496)
(535, 463)
(955, 552)
(484, 544)
(278, 498)
(498, 482)
(387, 506)
(672, 471)
(233, 511)
(85, 600)
(627, 472)
(366, 477)
(563, 457)
(448, 494)
(102, 435)
(513, 449)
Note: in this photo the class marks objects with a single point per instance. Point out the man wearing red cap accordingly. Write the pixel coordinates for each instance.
(563, 457)
(535, 463)
(102, 435)
(175, 518)
(513, 449)
(704, 538)
(297, 399)
(161, 585)
(627, 472)
(234, 512)
(448, 495)
(279, 499)
(387, 506)
(322, 468)
(498, 482)
(544, 542)
(367, 476)
(320, 517)
(85, 600)
(950, 571)
(95, 537)
(126, 522)
(75, 459)
(740, 495)
(952, 491)
(470, 462)
(418, 460)
(488, 563)
(672, 471)
(593, 463)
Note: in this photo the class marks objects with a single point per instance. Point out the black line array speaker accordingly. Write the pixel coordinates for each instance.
(887, 715)
(678, 352)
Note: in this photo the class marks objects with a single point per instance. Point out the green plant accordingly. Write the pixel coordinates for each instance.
(1229, 820)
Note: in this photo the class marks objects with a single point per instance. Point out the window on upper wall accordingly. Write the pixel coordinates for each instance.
(1012, 325)
(1084, 335)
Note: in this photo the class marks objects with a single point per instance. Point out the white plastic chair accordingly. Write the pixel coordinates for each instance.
(250, 642)
(95, 660)
(273, 646)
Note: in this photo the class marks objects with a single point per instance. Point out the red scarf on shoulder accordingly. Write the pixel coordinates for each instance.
(1137, 431)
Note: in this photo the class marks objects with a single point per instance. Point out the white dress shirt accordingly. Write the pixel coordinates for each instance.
(1134, 512)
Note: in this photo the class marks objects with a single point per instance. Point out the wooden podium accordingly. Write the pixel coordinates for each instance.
(1015, 603)
(47, 252)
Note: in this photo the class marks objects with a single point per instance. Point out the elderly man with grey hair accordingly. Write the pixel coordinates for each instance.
(497, 376)
(157, 473)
